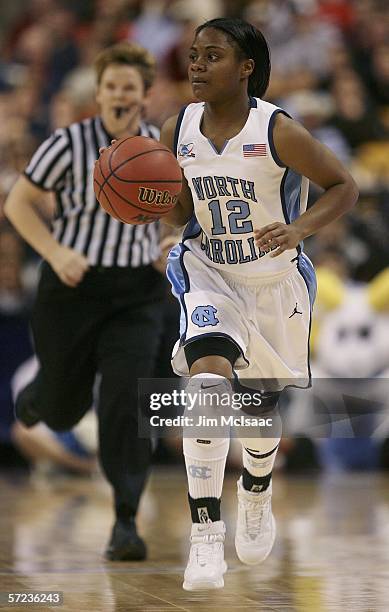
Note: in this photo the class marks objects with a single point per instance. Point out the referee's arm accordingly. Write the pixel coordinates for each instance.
(21, 208)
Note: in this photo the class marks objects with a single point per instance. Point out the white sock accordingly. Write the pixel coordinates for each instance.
(205, 462)
(205, 457)
(259, 455)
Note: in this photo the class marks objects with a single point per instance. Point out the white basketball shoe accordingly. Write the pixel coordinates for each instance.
(255, 527)
(206, 564)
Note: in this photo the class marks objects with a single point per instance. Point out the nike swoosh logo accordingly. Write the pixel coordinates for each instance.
(202, 386)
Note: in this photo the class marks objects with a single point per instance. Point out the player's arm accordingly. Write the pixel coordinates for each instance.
(298, 150)
(183, 210)
(21, 208)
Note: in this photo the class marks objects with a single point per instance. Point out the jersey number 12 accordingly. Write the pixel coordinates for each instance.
(240, 211)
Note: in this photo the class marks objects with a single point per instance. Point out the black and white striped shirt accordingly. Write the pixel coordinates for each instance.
(64, 164)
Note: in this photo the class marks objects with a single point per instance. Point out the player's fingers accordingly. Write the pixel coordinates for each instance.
(269, 236)
(277, 252)
(282, 247)
(269, 240)
(102, 149)
(266, 228)
(260, 233)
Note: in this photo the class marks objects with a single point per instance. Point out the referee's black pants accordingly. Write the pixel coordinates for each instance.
(110, 324)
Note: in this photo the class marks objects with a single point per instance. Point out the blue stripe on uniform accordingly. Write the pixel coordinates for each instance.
(270, 136)
(307, 271)
(290, 192)
(177, 130)
(179, 280)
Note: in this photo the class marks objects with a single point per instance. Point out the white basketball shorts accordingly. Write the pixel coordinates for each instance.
(268, 319)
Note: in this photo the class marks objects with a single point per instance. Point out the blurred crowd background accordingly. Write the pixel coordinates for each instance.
(330, 70)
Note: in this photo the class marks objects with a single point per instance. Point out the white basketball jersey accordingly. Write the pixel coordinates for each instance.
(237, 190)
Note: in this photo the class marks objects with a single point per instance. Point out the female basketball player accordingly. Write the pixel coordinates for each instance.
(245, 287)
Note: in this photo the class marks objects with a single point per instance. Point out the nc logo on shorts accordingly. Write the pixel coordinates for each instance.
(204, 315)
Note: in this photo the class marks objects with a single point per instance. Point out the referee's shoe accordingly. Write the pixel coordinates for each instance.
(125, 544)
(24, 407)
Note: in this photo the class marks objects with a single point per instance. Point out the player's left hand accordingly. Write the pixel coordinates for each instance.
(281, 235)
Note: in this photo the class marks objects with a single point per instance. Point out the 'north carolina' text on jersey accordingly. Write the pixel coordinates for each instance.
(243, 187)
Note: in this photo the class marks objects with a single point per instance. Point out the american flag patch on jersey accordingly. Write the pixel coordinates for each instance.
(254, 150)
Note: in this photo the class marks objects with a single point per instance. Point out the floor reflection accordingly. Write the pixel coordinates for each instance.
(331, 553)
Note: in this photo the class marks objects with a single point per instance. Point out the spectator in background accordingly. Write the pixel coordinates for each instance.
(14, 322)
(309, 47)
(379, 76)
(354, 116)
(313, 109)
(175, 62)
(371, 30)
(64, 55)
(14, 300)
(338, 12)
(154, 28)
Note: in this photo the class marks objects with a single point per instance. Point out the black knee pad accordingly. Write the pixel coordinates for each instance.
(211, 345)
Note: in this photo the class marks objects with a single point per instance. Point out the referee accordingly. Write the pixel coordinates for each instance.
(98, 305)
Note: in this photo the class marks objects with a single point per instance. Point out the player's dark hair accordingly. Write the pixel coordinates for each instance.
(250, 44)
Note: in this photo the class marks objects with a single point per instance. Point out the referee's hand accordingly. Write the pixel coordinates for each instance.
(69, 265)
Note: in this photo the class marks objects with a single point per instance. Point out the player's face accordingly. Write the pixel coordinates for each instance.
(120, 95)
(215, 71)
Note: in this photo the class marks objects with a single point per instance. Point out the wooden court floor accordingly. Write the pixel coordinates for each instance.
(331, 553)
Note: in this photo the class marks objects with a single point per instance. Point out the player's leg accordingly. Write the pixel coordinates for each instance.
(64, 328)
(127, 351)
(210, 361)
(279, 356)
(256, 528)
(211, 312)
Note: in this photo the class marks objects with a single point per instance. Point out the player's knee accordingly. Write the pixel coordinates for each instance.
(205, 385)
(206, 394)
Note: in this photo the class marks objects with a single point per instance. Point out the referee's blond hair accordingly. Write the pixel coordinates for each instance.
(130, 54)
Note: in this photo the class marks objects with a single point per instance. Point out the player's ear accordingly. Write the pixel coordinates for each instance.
(248, 68)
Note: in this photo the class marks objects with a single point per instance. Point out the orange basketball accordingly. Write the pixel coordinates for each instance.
(137, 180)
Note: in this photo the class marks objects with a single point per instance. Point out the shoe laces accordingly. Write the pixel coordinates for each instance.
(256, 513)
(205, 550)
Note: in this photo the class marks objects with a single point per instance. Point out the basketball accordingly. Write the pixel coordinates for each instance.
(137, 180)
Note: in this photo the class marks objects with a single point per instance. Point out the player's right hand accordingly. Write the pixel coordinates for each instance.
(69, 265)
